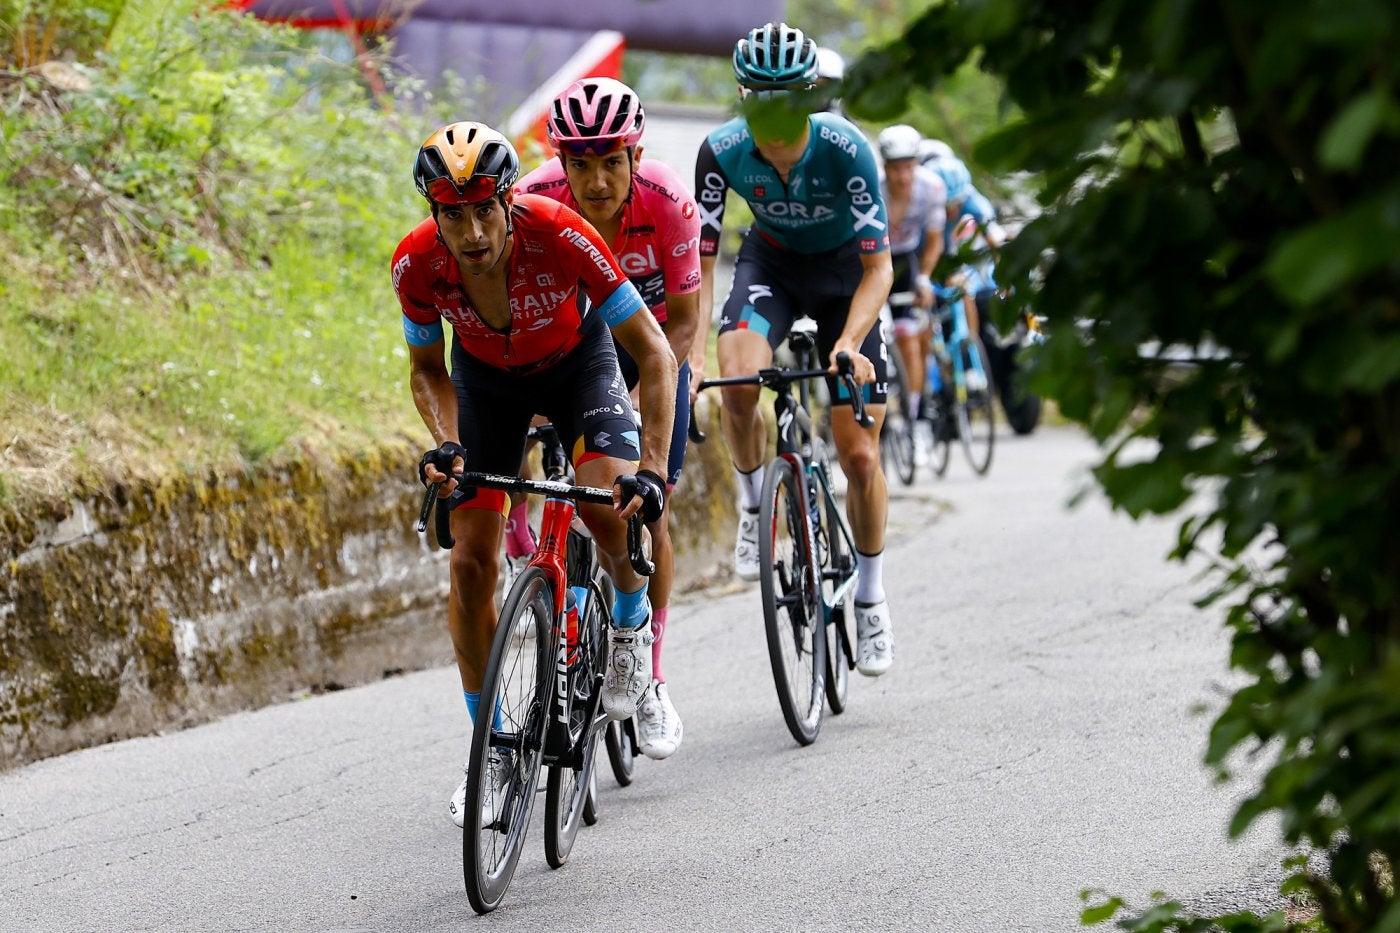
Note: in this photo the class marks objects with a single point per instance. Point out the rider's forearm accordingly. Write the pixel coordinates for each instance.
(658, 401)
(682, 321)
(436, 400)
(933, 251)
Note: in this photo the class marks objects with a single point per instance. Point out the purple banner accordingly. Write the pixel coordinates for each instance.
(709, 27)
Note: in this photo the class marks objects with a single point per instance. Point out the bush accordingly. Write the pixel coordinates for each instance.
(1221, 252)
(199, 209)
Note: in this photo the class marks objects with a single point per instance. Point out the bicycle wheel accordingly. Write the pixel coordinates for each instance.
(792, 611)
(835, 560)
(976, 416)
(567, 787)
(620, 738)
(897, 432)
(938, 413)
(517, 685)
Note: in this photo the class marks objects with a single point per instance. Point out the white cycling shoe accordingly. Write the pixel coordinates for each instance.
(874, 639)
(493, 795)
(746, 546)
(628, 676)
(659, 728)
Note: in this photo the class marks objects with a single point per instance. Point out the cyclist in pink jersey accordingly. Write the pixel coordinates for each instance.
(642, 210)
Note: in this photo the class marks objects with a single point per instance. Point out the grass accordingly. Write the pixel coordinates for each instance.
(101, 380)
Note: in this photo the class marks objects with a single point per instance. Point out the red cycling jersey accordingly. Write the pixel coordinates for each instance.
(558, 258)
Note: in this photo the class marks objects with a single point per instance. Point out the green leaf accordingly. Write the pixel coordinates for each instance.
(1105, 911)
(1345, 140)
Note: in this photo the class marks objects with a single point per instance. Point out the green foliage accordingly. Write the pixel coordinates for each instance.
(35, 31)
(198, 237)
(1218, 252)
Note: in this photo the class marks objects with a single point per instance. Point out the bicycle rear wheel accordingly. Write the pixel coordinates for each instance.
(566, 800)
(517, 686)
(792, 611)
(975, 412)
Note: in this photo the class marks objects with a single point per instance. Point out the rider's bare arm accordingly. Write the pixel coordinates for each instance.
(641, 337)
(434, 397)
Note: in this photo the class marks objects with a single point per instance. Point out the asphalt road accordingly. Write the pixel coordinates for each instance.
(1036, 737)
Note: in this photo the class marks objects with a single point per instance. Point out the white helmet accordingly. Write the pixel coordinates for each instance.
(830, 65)
(931, 149)
(900, 141)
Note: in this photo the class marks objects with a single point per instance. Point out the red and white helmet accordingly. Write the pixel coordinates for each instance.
(598, 115)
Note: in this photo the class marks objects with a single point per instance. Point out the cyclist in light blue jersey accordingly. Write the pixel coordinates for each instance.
(819, 247)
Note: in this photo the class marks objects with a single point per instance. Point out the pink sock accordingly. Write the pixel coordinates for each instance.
(519, 541)
(658, 628)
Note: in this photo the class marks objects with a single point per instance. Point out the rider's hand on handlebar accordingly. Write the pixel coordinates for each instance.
(644, 492)
(442, 465)
(861, 368)
(697, 376)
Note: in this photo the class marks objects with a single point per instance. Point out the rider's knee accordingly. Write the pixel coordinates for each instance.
(739, 400)
(860, 461)
(475, 568)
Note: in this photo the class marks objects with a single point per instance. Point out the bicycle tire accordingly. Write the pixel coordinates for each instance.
(975, 410)
(488, 862)
(941, 427)
(590, 803)
(897, 431)
(566, 787)
(838, 653)
(792, 611)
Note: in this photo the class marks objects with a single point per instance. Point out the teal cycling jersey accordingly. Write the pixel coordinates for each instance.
(831, 196)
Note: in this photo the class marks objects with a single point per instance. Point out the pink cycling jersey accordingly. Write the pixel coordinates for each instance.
(658, 242)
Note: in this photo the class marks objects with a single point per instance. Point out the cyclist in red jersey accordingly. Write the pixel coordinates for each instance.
(643, 210)
(531, 292)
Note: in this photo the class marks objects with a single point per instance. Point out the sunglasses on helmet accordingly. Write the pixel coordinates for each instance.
(602, 145)
(477, 188)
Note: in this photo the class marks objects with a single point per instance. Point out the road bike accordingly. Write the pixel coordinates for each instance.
(541, 702)
(806, 554)
(958, 401)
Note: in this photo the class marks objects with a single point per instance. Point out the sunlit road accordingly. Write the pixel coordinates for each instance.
(1035, 737)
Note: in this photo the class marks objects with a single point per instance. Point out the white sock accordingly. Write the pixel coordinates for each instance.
(870, 588)
(912, 404)
(750, 487)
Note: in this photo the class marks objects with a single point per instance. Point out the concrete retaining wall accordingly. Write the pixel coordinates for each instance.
(162, 606)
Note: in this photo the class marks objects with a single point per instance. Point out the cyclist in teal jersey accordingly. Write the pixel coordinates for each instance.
(819, 248)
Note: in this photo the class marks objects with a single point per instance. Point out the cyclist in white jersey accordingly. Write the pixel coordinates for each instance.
(914, 198)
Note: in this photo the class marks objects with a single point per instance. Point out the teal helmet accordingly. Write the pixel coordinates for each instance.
(775, 55)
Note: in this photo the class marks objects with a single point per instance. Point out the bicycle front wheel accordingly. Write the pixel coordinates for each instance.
(566, 800)
(975, 412)
(792, 607)
(897, 432)
(504, 767)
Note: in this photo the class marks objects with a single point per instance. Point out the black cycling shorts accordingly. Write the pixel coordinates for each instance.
(775, 286)
(582, 395)
(905, 269)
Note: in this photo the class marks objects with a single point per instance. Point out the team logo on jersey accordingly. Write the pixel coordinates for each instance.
(688, 210)
(869, 245)
(544, 280)
(760, 191)
(400, 268)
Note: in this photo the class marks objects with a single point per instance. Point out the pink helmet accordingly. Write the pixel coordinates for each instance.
(598, 115)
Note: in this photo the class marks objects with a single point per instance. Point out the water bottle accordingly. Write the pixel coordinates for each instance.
(571, 613)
